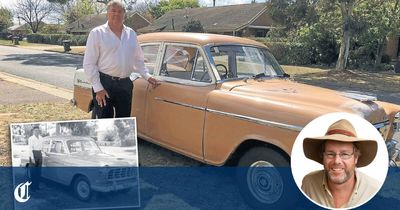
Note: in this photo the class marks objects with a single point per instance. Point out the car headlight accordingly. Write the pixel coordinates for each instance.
(103, 172)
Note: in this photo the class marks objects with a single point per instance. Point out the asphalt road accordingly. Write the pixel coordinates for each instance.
(47, 67)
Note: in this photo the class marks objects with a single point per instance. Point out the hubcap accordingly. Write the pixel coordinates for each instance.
(265, 182)
(83, 189)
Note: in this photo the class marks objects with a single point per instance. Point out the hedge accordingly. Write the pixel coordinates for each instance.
(288, 53)
(56, 39)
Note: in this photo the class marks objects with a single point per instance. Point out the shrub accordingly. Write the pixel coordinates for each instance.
(386, 59)
(288, 53)
(193, 26)
(321, 42)
(56, 39)
(79, 40)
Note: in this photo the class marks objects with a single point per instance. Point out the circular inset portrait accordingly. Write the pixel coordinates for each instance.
(339, 160)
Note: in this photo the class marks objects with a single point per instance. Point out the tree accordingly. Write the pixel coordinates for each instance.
(5, 19)
(33, 12)
(164, 6)
(77, 9)
(346, 9)
(382, 19)
(58, 1)
(128, 3)
(125, 131)
(193, 26)
(82, 128)
(293, 15)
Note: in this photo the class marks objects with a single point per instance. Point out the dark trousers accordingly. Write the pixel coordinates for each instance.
(36, 171)
(120, 101)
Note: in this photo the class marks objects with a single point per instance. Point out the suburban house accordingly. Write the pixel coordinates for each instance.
(23, 29)
(85, 24)
(393, 46)
(237, 20)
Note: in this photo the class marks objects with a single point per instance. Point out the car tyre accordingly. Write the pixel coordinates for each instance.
(264, 179)
(82, 188)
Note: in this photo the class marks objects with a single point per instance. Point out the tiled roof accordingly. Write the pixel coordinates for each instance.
(88, 22)
(213, 19)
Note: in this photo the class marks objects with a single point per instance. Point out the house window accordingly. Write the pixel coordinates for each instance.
(261, 33)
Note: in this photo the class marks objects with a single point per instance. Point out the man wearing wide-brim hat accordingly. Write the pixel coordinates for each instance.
(340, 151)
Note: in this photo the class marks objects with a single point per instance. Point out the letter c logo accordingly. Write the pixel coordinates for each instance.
(21, 192)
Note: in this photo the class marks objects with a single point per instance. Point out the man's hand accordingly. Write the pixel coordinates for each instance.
(101, 97)
(154, 82)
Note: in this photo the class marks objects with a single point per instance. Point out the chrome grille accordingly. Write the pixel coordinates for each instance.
(120, 173)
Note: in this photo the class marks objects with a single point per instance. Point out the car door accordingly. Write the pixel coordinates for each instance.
(176, 109)
(151, 53)
(55, 161)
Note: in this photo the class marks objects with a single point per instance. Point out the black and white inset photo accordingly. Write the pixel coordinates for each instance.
(91, 159)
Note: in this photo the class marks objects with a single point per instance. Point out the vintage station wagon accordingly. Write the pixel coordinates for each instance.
(225, 100)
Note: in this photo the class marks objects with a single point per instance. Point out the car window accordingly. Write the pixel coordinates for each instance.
(46, 145)
(221, 61)
(235, 61)
(76, 146)
(150, 53)
(184, 63)
(57, 147)
(200, 72)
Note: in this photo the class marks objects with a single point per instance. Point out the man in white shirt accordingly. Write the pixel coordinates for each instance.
(35, 146)
(112, 54)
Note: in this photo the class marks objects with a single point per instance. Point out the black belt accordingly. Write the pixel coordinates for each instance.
(112, 78)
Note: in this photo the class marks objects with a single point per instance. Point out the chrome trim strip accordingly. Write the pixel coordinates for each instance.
(381, 124)
(237, 116)
(180, 104)
(258, 121)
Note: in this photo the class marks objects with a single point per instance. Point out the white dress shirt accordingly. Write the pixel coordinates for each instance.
(108, 54)
(35, 143)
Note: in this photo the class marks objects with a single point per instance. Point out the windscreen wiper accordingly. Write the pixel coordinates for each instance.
(258, 76)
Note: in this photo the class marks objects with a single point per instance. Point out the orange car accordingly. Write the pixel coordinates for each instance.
(225, 100)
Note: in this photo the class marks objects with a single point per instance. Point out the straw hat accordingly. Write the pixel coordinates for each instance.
(342, 131)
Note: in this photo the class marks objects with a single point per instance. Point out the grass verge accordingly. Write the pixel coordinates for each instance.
(387, 81)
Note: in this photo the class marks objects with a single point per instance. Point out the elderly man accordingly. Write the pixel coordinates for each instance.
(340, 184)
(112, 54)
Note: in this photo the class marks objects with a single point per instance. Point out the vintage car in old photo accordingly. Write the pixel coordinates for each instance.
(78, 162)
(225, 100)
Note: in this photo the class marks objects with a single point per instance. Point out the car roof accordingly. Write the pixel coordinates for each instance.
(201, 39)
(66, 138)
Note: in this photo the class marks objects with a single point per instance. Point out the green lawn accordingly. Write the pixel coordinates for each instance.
(47, 47)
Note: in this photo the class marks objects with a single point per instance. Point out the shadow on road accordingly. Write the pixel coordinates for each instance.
(46, 59)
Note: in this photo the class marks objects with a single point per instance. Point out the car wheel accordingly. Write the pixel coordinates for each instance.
(82, 188)
(265, 180)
